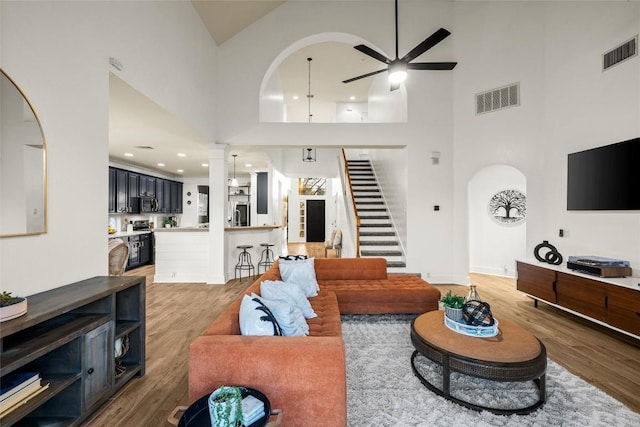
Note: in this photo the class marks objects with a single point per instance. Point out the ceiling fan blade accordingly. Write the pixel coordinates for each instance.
(372, 53)
(432, 65)
(395, 86)
(364, 75)
(427, 44)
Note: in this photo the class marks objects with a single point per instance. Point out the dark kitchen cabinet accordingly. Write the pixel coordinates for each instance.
(146, 249)
(147, 186)
(134, 252)
(176, 197)
(125, 191)
(166, 188)
(112, 190)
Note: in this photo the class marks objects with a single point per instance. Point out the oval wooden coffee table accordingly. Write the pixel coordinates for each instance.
(515, 355)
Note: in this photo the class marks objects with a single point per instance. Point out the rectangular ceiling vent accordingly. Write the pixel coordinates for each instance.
(498, 99)
(626, 50)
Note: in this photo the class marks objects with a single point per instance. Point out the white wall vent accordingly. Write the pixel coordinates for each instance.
(498, 99)
(626, 50)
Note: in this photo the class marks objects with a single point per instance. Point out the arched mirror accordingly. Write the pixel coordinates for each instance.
(23, 164)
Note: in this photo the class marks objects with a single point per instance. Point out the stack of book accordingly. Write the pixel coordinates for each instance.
(252, 410)
(17, 388)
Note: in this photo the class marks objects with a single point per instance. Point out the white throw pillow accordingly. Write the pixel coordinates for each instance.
(288, 315)
(301, 273)
(270, 289)
(256, 318)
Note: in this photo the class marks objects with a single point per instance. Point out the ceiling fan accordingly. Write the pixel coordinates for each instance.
(398, 67)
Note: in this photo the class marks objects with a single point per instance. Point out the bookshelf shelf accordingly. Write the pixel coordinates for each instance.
(67, 336)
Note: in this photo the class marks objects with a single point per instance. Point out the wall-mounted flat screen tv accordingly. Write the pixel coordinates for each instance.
(605, 178)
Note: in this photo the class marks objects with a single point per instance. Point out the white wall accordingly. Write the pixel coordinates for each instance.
(567, 104)
(60, 52)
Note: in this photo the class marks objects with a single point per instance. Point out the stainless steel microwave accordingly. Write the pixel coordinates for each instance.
(148, 204)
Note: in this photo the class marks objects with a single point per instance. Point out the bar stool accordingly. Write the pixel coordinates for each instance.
(267, 257)
(244, 261)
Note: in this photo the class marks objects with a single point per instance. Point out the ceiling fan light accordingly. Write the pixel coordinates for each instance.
(397, 72)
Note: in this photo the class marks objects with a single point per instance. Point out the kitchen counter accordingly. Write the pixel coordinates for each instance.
(180, 229)
(253, 227)
(133, 233)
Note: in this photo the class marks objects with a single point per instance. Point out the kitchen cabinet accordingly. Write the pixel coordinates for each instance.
(607, 303)
(126, 191)
(176, 197)
(112, 190)
(147, 186)
(126, 187)
(146, 249)
(67, 336)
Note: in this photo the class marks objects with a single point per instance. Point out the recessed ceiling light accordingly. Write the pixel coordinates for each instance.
(205, 165)
(248, 165)
(182, 155)
(128, 154)
(352, 97)
(161, 165)
(180, 170)
(295, 97)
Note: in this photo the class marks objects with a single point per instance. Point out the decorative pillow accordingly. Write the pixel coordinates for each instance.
(270, 289)
(256, 318)
(301, 273)
(292, 257)
(288, 315)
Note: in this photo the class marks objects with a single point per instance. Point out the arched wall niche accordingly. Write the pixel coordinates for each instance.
(494, 246)
(381, 105)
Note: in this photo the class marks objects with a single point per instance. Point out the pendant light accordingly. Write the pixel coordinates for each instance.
(234, 181)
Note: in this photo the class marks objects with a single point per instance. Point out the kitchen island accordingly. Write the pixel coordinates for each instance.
(183, 254)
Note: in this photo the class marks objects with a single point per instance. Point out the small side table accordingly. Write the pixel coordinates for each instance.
(197, 414)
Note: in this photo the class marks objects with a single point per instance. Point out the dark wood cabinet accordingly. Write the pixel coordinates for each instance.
(166, 203)
(623, 309)
(536, 281)
(122, 191)
(146, 249)
(608, 303)
(67, 336)
(97, 364)
(582, 295)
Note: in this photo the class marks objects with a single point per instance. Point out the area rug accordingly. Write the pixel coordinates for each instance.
(383, 391)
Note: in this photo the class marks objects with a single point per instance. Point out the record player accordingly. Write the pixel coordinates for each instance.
(599, 266)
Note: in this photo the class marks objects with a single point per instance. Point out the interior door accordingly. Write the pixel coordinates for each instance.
(315, 221)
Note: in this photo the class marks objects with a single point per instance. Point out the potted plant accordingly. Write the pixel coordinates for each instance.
(225, 407)
(11, 307)
(453, 306)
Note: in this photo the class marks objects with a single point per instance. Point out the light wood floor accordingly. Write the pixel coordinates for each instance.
(177, 313)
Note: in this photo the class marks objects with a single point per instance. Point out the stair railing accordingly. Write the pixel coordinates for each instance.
(349, 187)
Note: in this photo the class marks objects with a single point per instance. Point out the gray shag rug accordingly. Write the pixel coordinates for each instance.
(383, 391)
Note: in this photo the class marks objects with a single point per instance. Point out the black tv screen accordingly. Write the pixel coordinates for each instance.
(605, 178)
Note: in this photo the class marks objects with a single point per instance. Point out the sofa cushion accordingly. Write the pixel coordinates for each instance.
(288, 315)
(327, 324)
(397, 294)
(350, 269)
(271, 289)
(256, 318)
(300, 273)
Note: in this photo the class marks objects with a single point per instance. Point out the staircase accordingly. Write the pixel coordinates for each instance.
(378, 237)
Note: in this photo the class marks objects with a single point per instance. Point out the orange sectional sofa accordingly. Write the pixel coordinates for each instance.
(304, 376)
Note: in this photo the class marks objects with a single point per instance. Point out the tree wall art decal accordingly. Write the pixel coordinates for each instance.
(508, 207)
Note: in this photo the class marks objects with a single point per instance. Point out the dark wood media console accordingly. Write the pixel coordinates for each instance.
(67, 336)
(616, 305)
